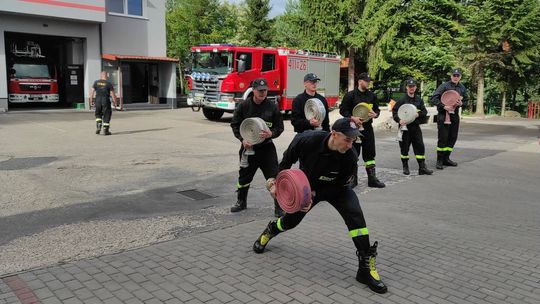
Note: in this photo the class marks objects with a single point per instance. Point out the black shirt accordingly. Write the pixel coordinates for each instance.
(416, 101)
(298, 116)
(449, 85)
(354, 97)
(103, 89)
(267, 110)
(324, 168)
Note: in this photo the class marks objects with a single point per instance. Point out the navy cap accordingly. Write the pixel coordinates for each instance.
(259, 84)
(364, 76)
(346, 126)
(311, 77)
(410, 82)
(456, 72)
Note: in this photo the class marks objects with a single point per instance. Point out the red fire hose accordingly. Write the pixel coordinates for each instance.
(293, 191)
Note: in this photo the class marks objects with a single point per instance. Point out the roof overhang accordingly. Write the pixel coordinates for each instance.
(116, 57)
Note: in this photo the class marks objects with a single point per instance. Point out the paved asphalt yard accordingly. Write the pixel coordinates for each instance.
(106, 219)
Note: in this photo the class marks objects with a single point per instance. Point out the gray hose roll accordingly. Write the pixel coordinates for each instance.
(251, 128)
(314, 109)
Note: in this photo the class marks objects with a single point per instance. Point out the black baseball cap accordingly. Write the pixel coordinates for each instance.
(259, 84)
(456, 72)
(410, 82)
(364, 76)
(346, 126)
(311, 77)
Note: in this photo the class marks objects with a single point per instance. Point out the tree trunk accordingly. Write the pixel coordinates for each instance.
(503, 105)
(350, 69)
(480, 94)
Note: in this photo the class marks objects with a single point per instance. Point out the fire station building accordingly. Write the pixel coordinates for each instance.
(52, 51)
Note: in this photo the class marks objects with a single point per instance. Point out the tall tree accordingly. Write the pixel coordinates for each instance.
(501, 35)
(192, 22)
(256, 26)
(288, 26)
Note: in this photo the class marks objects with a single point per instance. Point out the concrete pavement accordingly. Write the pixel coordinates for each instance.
(464, 235)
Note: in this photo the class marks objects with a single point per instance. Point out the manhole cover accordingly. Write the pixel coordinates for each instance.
(195, 194)
(25, 162)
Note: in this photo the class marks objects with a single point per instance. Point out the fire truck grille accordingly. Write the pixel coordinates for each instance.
(35, 87)
(210, 89)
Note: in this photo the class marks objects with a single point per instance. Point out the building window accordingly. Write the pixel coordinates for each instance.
(268, 62)
(126, 7)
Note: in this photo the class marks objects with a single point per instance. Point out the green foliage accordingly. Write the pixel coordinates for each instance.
(192, 22)
(256, 28)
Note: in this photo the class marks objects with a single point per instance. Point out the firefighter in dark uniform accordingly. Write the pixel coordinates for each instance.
(367, 145)
(327, 159)
(413, 134)
(265, 157)
(448, 133)
(103, 89)
(298, 116)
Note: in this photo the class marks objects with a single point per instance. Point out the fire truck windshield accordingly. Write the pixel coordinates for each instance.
(212, 62)
(24, 70)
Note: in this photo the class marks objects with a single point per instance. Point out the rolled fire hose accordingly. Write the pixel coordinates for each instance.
(251, 128)
(406, 112)
(450, 98)
(293, 191)
(362, 110)
(314, 109)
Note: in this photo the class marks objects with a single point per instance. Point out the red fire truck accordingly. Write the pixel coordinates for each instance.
(31, 77)
(221, 75)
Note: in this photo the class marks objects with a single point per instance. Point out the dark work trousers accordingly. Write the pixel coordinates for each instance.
(265, 158)
(367, 146)
(413, 136)
(447, 134)
(103, 110)
(346, 202)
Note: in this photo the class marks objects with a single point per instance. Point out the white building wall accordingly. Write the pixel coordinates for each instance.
(53, 27)
(138, 36)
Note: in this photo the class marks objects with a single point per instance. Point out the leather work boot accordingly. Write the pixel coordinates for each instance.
(106, 131)
(241, 203)
(98, 127)
(422, 169)
(367, 271)
(239, 206)
(265, 237)
(405, 166)
(447, 161)
(373, 181)
(440, 159)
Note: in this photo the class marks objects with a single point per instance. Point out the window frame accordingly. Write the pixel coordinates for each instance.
(125, 10)
(274, 65)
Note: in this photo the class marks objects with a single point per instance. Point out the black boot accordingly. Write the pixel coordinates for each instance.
(447, 161)
(367, 271)
(422, 169)
(106, 130)
(440, 160)
(405, 162)
(373, 181)
(241, 203)
(265, 237)
(278, 212)
(98, 127)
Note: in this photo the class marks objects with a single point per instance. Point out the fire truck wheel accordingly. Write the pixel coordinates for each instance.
(212, 114)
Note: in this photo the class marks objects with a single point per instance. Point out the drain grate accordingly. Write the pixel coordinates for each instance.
(195, 195)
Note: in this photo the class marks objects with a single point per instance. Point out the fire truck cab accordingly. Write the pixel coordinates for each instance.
(221, 75)
(31, 77)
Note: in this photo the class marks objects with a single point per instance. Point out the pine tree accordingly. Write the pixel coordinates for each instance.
(256, 27)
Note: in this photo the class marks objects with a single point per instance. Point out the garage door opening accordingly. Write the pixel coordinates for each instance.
(44, 71)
